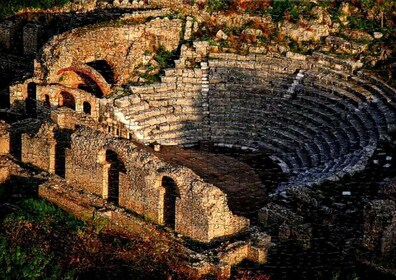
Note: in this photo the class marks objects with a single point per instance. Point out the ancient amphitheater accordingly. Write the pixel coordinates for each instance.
(204, 150)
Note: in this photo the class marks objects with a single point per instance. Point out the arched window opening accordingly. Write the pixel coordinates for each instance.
(104, 69)
(31, 105)
(170, 197)
(47, 102)
(67, 100)
(113, 176)
(87, 108)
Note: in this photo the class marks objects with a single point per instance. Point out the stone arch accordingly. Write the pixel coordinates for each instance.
(112, 167)
(171, 195)
(94, 81)
(87, 108)
(31, 100)
(66, 99)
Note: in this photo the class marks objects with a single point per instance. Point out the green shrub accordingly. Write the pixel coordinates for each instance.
(164, 58)
(281, 7)
(29, 263)
(218, 5)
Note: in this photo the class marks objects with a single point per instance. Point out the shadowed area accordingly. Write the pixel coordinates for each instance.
(245, 190)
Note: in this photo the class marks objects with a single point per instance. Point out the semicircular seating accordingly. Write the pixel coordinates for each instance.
(329, 128)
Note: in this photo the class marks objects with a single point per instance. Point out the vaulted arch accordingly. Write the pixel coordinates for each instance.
(105, 69)
(94, 82)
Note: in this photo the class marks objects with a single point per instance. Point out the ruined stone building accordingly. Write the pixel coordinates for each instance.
(148, 149)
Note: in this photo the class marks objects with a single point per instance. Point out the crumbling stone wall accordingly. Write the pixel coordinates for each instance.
(32, 34)
(123, 47)
(7, 33)
(17, 130)
(39, 149)
(380, 226)
(80, 96)
(202, 212)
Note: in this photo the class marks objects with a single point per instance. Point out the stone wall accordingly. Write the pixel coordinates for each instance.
(202, 212)
(122, 47)
(32, 34)
(380, 227)
(39, 149)
(19, 94)
(53, 93)
(7, 33)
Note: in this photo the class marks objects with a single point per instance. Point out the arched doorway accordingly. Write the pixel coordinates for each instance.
(31, 105)
(87, 108)
(67, 100)
(170, 197)
(114, 167)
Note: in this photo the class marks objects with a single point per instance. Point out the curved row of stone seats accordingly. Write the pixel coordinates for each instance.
(368, 92)
(343, 130)
(313, 155)
(356, 122)
(385, 102)
(357, 133)
(389, 92)
(246, 77)
(286, 103)
(370, 108)
(285, 143)
(354, 116)
(333, 170)
(329, 129)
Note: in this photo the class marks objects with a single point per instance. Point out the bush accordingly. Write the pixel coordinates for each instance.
(218, 5)
(164, 58)
(28, 263)
(282, 9)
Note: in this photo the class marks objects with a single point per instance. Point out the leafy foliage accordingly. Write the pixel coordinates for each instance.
(164, 58)
(23, 260)
(282, 9)
(218, 5)
(29, 263)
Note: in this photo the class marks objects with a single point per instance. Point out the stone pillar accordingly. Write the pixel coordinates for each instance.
(4, 138)
(7, 33)
(52, 156)
(31, 38)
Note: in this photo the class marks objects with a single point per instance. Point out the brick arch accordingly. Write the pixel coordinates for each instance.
(92, 74)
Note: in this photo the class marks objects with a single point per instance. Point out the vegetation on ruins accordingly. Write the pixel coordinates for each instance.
(41, 241)
(8, 8)
(160, 59)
